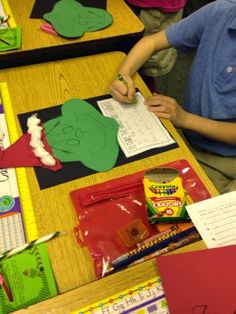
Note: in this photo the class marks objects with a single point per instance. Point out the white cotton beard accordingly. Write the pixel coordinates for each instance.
(36, 143)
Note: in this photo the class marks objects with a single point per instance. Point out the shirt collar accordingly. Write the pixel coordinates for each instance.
(232, 25)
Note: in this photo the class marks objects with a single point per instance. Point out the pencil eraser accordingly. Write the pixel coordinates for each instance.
(133, 232)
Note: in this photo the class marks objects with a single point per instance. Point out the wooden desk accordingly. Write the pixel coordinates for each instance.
(45, 85)
(38, 46)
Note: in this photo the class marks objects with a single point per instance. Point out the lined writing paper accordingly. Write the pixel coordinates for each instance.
(215, 219)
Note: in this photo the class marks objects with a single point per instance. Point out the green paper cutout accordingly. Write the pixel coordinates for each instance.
(29, 277)
(71, 19)
(83, 134)
(10, 38)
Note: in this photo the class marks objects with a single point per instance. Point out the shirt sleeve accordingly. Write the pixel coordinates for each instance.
(186, 34)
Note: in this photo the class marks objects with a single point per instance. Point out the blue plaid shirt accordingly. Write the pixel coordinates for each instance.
(211, 88)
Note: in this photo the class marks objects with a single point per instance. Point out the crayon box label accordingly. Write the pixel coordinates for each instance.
(165, 196)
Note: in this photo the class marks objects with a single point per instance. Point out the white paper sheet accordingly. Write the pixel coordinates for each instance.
(3, 14)
(215, 219)
(139, 130)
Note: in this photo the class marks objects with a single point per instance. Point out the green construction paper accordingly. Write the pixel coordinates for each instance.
(29, 277)
(10, 38)
(83, 134)
(71, 19)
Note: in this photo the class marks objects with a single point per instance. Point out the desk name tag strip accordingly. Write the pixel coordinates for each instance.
(145, 298)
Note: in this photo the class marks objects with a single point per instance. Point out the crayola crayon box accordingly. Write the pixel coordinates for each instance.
(165, 196)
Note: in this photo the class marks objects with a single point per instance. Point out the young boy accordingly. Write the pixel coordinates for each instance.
(208, 115)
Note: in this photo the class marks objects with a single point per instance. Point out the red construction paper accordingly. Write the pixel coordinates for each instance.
(20, 154)
(200, 282)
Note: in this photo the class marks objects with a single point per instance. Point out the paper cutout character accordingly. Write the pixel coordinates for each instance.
(10, 38)
(31, 149)
(33, 272)
(83, 134)
(70, 19)
(41, 7)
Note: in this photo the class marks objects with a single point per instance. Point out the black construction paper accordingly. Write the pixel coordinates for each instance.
(75, 170)
(43, 6)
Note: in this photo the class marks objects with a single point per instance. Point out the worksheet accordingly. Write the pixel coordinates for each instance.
(139, 129)
(3, 17)
(215, 219)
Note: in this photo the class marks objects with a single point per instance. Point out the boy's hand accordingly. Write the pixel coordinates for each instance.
(167, 108)
(123, 89)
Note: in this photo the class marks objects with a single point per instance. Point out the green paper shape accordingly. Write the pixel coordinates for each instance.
(10, 38)
(29, 277)
(83, 134)
(71, 19)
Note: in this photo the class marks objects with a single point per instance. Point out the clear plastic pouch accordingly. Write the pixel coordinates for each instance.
(110, 212)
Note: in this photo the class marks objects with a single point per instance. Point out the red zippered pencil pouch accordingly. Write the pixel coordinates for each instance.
(109, 210)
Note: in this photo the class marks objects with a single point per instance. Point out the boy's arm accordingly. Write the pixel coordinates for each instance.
(142, 52)
(218, 130)
(124, 90)
(168, 108)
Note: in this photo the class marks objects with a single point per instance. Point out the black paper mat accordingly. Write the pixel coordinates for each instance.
(43, 6)
(74, 170)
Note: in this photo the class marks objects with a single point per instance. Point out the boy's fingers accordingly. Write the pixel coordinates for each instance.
(129, 84)
(116, 94)
(118, 91)
(157, 100)
(122, 88)
(131, 93)
(123, 91)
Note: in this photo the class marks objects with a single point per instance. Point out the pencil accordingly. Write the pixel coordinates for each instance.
(6, 288)
(121, 78)
(171, 247)
(158, 235)
(123, 262)
(145, 246)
